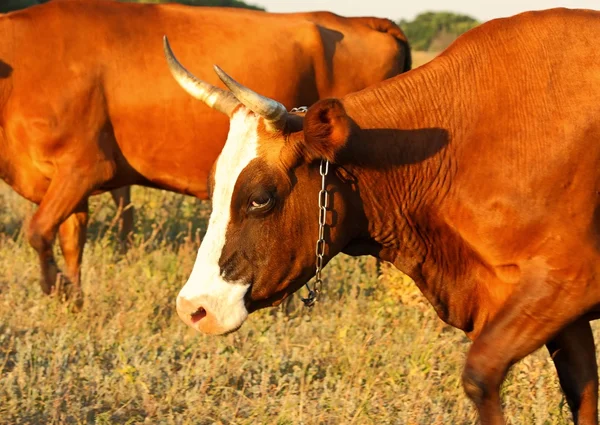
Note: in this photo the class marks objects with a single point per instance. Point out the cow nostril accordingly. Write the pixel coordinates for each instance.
(198, 314)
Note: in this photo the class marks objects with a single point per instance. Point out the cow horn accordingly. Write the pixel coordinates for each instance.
(271, 110)
(215, 97)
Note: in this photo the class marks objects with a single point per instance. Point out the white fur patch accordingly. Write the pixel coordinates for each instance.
(206, 287)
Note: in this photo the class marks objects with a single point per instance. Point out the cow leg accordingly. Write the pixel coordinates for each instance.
(574, 355)
(530, 318)
(62, 198)
(122, 198)
(72, 236)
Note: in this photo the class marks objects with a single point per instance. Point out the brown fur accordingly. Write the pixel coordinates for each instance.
(88, 103)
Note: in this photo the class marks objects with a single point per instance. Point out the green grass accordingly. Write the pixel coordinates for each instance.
(371, 352)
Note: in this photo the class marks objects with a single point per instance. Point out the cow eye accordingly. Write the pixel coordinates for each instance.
(261, 202)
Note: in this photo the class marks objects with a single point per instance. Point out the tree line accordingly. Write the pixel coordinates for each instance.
(429, 31)
(434, 31)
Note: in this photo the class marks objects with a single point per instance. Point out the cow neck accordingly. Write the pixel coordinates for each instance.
(401, 159)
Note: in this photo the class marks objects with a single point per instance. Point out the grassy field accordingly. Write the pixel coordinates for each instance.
(371, 352)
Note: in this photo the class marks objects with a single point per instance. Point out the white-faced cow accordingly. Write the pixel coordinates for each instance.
(478, 175)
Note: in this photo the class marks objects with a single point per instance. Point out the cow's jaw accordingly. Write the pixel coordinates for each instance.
(208, 302)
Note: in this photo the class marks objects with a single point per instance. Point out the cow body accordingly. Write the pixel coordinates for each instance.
(87, 103)
(477, 175)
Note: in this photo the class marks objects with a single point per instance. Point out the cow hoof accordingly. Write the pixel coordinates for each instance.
(67, 292)
(49, 277)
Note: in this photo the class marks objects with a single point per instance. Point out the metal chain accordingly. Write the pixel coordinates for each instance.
(313, 294)
(301, 109)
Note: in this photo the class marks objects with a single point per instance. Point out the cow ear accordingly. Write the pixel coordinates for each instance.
(326, 130)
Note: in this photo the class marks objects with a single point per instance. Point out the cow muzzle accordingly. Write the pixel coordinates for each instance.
(215, 309)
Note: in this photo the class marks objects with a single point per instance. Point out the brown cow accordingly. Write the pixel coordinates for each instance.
(477, 175)
(87, 103)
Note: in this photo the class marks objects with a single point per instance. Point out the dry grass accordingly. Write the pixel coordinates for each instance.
(420, 58)
(372, 352)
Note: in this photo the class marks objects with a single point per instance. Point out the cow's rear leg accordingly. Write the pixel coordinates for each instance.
(529, 319)
(64, 195)
(122, 198)
(72, 236)
(574, 355)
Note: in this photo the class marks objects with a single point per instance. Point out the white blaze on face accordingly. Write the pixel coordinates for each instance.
(206, 288)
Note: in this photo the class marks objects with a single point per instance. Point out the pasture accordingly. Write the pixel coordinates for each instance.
(372, 351)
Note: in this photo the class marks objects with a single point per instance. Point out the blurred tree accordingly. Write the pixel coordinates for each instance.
(9, 5)
(436, 30)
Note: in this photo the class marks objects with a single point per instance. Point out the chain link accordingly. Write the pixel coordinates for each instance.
(301, 109)
(313, 294)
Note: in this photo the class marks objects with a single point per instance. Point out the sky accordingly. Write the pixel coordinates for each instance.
(480, 9)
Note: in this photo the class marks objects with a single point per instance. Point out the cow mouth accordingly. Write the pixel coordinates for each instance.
(272, 301)
(230, 331)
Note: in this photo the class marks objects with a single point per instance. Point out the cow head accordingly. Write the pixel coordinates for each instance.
(260, 243)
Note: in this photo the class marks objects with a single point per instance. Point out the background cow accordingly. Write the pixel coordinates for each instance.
(87, 103)
(476, 174)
